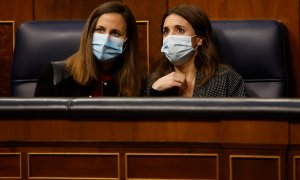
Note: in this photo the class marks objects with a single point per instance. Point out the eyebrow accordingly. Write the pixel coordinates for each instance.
(116, 30)
(176, 26)
(98, 27)
(179, 26)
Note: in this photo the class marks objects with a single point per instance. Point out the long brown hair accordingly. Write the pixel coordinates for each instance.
(207, 59)
(129, 68)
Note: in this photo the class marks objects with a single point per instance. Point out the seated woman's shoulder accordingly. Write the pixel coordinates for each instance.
(225, 68)
(228, 71)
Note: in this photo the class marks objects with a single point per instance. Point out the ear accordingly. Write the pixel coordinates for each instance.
(125, 43)
(199, 41)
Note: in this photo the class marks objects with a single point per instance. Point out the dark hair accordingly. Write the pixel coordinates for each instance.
(207, 59)
(129, 70)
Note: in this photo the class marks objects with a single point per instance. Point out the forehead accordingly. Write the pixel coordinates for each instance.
(175, 20)
(112, 21)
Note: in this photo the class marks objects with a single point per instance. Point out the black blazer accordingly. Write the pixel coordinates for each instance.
(55, 81)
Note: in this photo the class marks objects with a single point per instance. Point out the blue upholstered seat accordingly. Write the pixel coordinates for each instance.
(38, 42)
(257, 50)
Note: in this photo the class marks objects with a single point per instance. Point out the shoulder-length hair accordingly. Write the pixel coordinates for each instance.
(128, 68)
(207, 59)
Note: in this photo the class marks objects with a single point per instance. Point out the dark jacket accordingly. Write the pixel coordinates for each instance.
(226, 83)
(55, 81)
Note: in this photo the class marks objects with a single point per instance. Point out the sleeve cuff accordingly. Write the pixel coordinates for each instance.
(154, 92)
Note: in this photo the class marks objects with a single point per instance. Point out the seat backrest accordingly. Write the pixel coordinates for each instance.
(255, 48)
(38, 42)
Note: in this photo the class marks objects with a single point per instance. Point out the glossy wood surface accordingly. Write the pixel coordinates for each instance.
(141, 144)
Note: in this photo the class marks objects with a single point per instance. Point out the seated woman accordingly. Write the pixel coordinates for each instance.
(189, 64)
(107, 62)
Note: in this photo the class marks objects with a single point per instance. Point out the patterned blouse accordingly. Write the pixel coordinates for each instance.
(226, 83)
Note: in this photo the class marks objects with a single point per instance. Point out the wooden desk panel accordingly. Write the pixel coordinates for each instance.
(109, 130)
(171, 165)
(254, 131)
(225, 131)
(74, 165)
(244, 136)
(10, 165)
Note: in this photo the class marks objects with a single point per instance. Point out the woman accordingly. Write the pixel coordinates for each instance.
(189, 65)
(107, 62)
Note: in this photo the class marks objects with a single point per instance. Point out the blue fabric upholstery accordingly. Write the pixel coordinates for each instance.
(255, 48)
(38, 42)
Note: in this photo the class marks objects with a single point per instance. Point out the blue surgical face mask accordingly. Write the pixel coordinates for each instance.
(178, 48)
(106, 47)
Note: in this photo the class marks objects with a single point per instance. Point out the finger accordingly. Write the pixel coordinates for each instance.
(177, 80)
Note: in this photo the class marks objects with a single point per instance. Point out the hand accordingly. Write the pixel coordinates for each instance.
(174, 79)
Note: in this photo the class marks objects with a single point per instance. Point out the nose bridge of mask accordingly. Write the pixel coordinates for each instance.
(100, 38)
(115, 42)
(106, 47)
(107, 40)
(174, 43)
(179, 39)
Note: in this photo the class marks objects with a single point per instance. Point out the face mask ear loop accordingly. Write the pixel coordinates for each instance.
(196, 47)
(125, 41)
(197, 44)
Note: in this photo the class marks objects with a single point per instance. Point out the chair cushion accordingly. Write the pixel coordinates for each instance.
(257, 50)
(38, 42)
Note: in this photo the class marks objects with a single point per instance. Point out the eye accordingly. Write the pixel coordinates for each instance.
(115, 34)
(165, 31)
(100, 30)
(180, 30)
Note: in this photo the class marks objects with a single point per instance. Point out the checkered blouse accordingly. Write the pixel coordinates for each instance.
(226, 83)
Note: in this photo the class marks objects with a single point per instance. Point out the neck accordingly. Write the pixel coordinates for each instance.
(105, 67)
(188, 69)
